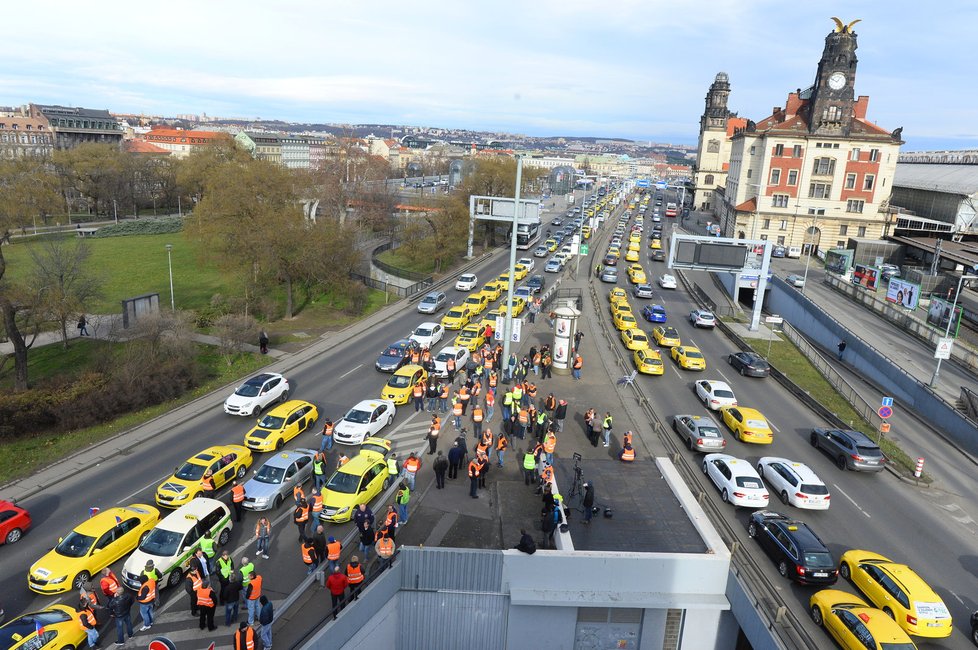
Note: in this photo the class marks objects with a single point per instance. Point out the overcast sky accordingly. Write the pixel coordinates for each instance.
(623, 68)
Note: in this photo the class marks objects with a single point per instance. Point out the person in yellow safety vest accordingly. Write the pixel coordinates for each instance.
(146, 597)
(517, 393)
(627, 453)
(237, 499)
(477, 417)
(507, 404)
(309, 556)
(392, 466)
(354, 573)
(549, 444)
(210, 554)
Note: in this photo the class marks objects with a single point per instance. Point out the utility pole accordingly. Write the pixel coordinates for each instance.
(508, 327)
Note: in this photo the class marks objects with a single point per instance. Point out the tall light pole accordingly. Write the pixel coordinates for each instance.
(508, 326)
(580, 230)
(950, 320)
(169, 263)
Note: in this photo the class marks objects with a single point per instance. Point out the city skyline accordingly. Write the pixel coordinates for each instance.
(636, 70)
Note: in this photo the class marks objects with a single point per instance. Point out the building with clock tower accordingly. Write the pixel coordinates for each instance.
(717, 126)
(816, 171)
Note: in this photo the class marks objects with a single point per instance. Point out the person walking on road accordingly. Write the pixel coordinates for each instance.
(327, 433)
(319, 470)
(265, 617)
(440, 466)
(606, 424)
(333, 551)
(82, 326)
(244, 638)
(367, 539)
(363, 513)
(309, 557)
(206, 605)
(86, 616)
(502, 444)
(433, 430)
(455, 456)
(237, 499)
(842, 349)
(120, 607)
(263, 531)
(411, 467)
(337, 584)
(146, 597)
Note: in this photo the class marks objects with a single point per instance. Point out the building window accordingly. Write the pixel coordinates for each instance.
(840, 243)
(874, 155)
(766, 224)
(708, 179)
(868, 181)
(854, 154)
(819, 190)
(862, 231)
(816, 211)
(752, 149)
(843, 230)
(749, 173)
(784, 224)
(779, 150)
(823, 166)
(793, 177)
(780, 240)
(779, 201)
(850, 181)
(775, 176)
(853, 205)
(764, 237)
(796, 151)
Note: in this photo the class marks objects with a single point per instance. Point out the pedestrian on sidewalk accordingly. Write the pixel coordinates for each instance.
(265, 616)
(440, 466)
(367, 539)
(606, 428)
(355, 574)
(842, 349)
(337, 584)
(490, 403)
(319, 542)
(263, 531)
(237, 499)
(502, 444)
(455, 455)
(433, 429)
(82, 326)
(244, 637)
(546, 361)
(560, 414)
(588, 502)
(578, 337)
(309, 557)
(578, 364)
(474, 478)
(529, 467)
(263, 342)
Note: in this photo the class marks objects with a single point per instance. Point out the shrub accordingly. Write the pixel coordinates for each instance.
(149, 226)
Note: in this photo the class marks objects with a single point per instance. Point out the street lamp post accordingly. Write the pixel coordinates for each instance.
(508, 326)
(169, 263)
(950, 320)
(580, 230)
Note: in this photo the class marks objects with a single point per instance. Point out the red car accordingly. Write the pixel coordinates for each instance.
(14, 522)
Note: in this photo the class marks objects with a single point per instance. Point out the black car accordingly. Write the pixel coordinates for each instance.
(536, 283)
(396, 354)
(658, 255)
(974, 628)
(610, 260)
(749, 364)
(797, 551)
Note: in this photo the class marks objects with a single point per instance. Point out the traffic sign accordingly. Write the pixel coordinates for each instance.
(661, 185)
(584, 249)
(774, 320)
(943, 350)
(642, 183)
(884, 411)
(884, 427)
(887, 401)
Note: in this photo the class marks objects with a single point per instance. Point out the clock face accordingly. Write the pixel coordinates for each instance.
(837, 81)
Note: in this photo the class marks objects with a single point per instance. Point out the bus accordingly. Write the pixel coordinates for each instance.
(671, 209)
(527, 235)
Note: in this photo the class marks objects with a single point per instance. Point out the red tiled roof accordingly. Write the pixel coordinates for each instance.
(735, 123)
(750, 205)
(141, 146)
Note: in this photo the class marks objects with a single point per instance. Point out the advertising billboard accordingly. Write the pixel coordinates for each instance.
(903, 293)
(838, 260)
(866, 276)
(939, 313)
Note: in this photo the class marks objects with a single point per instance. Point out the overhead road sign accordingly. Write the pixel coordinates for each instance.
(642, 183)
(707, 253)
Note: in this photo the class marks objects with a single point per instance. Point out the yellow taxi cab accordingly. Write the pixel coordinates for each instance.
(491, 316)
(357, 481)
(614, 251)
(747, 424)
(476, 303)
(91, 546)
(688, 357)
(635, 238)
(635, 339)
(55, 627)
(854, 624)
(520, 271)
(898, 591)
(620, 307)
(491, 291)
(470, 337)
(665, 336)
(400, 386)
(648, 361)
(225, 462)
(586, 231)
(503, 281)
(519, 303)
(281, 424)
(655, 244)
(637, 275)
(631, 256)
(455, 318)
(551, 245)
(618, 295)
(624, 321)
(634, 246)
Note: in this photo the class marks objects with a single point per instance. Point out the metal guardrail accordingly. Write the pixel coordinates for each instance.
(389, 287)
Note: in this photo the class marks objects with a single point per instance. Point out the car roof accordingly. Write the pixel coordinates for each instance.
(429, 324)
(804, 472)
(359, 463)
(196, 508)
(286, 457)
(799, 531)
(408, 370)
(369, 404)
(715, 383)
(747, 412)
(105, 519)
(262, 378)
(434, 294)
(287, 407)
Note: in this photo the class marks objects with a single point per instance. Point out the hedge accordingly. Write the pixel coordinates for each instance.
(146, 226)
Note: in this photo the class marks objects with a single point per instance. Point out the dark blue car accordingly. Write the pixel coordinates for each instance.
(396, 355)
(654, 313)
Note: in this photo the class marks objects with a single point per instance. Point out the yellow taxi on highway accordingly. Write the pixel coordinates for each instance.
(476, 303)
(620, 307)
(470, 337)
(665, 336)
(634, 246)
(854, 624)
(281, 424)
(618, 295)
(624, 321)
(224, 462)
(519, 303)
(614, 251)
(635, 237)
(357, 481)
(455, 318)
(636, 274)
(55, 627)
(551, 245)
(635, 339)
(503, 281)
(91, 546)
(400, 386)
(520, 271)
(655, 244)
(491, 291)
(631, 256)
(586, 231)
(899, 592)
(648, 361)
(747, 424)
(688, 357)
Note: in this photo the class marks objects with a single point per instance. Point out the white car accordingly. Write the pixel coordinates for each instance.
(256, 394)
(427, 334)
(467, 282)
(667, 281)
(702, 318)
(715, 394)
(795, 483)
(738, 483)
(364, 420)
(795, 280)
(461, 357)
(528, 262)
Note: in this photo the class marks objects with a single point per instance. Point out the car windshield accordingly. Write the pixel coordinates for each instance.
(639, 337)
(161, 542)
(429, 299)
(358, 417)
(814, 489)
(393, 352)
(867, 450)
(444, 356)
(719, 392)
(818, 560)
(399, 381)
(748, 482)
(670, 332)
(422, 331)
(248, 390)
(271, 422)
(897, 646)
(75, 545)
(271, 475)
(705, 315)
(343, 482)
(455, 313)
(190, 472)
(467, 278)
(708, 431)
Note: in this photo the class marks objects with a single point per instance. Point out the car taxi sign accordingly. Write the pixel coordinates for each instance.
(943, 350)
(884, 411)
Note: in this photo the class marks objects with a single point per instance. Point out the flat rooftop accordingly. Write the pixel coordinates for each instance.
(647, 515)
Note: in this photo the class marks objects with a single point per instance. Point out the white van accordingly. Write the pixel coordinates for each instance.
(174, 540)
(794, 252)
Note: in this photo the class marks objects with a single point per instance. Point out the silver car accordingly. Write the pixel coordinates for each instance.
(432, 302)
(850, 449)
(272, 483)
(700, 433)
(609, 274)
(795, 280)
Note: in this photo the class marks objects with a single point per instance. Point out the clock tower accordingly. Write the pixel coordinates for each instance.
(833, 96)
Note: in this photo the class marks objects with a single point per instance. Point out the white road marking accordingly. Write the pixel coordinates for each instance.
(851, 500)
(723, 375)
(351, 370)
(773, 426)
(956, 596)
(160, 480)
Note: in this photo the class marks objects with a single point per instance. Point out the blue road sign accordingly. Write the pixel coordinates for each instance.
(884, 412)
(887, 401)
(642, 183)
(661, 185)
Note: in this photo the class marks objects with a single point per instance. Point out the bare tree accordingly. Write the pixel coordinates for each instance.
(63, 280)
(233, 331)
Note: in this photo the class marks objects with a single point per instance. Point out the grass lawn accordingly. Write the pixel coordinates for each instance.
(137, 264)
(394, 258)
(327, 312)
(21, 457)
(789, 360)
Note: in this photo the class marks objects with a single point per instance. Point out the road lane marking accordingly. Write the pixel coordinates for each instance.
(851, 500)
(351, 370)
(723, 375)
(126, 498)
(773, 426)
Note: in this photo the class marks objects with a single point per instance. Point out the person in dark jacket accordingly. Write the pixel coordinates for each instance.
(526, 544)
(319, 543)
(265, 616)
(455, 456)
(440, 466)
(231, 595)
(588, 502)
(361, 514)
(120, 608)
(559, 414)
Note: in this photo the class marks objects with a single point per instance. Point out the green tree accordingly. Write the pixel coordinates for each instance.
(94, 170)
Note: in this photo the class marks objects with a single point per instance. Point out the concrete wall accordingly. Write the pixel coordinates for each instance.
(541, 627)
